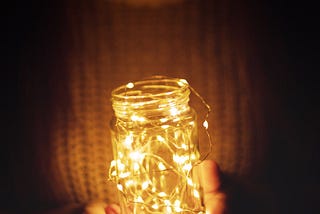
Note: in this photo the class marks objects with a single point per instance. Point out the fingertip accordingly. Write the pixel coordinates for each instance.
(95, 207)
(210, 176)
(211, 165)
(112, 209)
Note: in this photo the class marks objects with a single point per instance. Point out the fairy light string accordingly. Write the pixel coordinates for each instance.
(155, 147)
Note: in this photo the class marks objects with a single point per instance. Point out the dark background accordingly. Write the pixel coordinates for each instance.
(290, 40)
(297, 179)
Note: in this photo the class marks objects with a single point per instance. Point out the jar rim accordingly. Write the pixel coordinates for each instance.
(158, 86)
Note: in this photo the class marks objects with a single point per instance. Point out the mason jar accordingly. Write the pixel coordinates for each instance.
(155, 147)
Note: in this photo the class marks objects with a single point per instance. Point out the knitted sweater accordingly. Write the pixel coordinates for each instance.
(93, 47)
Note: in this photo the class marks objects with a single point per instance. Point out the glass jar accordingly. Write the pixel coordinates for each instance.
(155, 147)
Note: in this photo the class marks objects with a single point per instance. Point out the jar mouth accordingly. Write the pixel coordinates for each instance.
(151, 98)
(149, 89)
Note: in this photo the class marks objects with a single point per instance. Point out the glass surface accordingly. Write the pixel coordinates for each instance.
(155, 146)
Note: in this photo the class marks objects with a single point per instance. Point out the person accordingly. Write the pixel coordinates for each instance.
(79, 51)
(214, 198)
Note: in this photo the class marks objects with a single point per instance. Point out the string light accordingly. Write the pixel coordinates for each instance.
(155, 147)
(130, 85)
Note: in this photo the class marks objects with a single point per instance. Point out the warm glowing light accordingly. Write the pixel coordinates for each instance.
(137, 156)
(155, 147)
(160, 138)
(155, 206)
(136, 167)
(113, 163)
(189, 181)
(205, 124)
(196, 193)
(180, 159)
(163, 120)
(130, 85)
(161, 166)
(177, 134)
(145, 185)
(184, 146)
(177, 203)
(119, 186)
(162, 194)
(177, 207)
(176, 119)
(167, 202)
(120, 155)
(187, 167)
(128, 141)
(169, 209)
(136, 118)
(129, 183)
(124, 174)
(182, 82)
(120, 165)
(193, 156)
(165, 126)
(174, 111)
(139, 199)
(114, 173)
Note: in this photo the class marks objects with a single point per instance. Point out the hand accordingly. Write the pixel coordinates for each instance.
(214, 199)
(101, 208)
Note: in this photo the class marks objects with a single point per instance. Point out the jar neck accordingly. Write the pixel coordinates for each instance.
(151, 99)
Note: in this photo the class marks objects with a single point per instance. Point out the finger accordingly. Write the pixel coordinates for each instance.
(97, 207)
(112, 209)
(215, 203)
(210, 178)
(214, 200)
